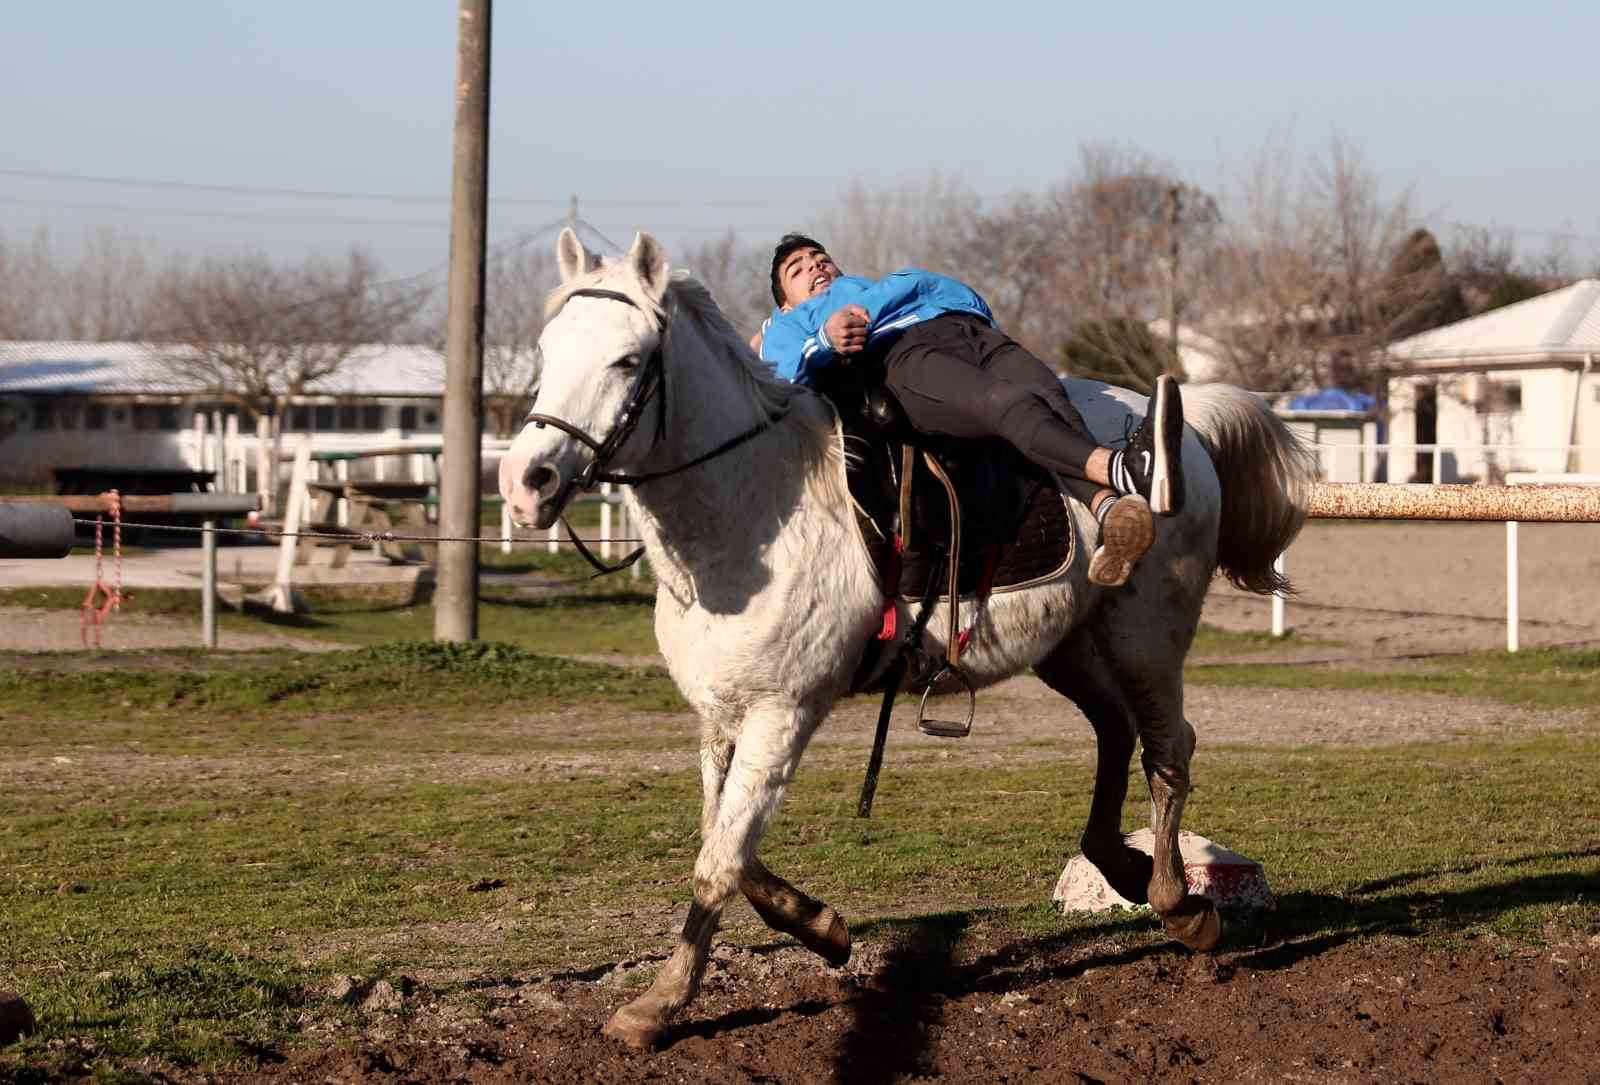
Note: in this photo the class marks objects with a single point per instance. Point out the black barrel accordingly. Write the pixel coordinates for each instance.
(34, 531)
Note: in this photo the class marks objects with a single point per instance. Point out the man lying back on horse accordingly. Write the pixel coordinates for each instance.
(955, 374)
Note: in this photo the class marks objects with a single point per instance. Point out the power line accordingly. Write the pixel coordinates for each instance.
(441, 200)
(1516, 231)
(189, 212)
(393, 197)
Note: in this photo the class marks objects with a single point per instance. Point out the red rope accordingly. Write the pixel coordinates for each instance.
(93, 612)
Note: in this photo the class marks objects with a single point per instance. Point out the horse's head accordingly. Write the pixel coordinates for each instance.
(602, 365)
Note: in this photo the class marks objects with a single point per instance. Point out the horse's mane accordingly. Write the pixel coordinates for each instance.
(768, 392)
(687, 296)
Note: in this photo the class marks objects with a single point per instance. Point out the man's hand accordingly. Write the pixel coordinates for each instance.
(847, 329)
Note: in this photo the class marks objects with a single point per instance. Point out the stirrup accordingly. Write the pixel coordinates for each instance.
(948, 728)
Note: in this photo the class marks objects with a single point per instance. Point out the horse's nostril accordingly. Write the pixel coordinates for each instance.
(544, 480)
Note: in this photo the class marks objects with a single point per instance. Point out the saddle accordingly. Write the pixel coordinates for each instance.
(944, 519)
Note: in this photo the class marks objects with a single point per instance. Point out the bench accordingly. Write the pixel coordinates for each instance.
(375, 506)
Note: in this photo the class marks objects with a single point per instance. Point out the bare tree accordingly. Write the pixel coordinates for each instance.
(518, 278)
(737, 275)
(874, 232)
(1309, 282)
(1095, 247)
(1119, 221)
(22, 292)
(108, 292)
(103, 291)
(1011, 254)
(256, 333)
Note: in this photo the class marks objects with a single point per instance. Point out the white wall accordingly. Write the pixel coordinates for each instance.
(1589, 423)
(1531, 437)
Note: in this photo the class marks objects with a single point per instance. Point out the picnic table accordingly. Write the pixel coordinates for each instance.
(98, 478)
(375, 505)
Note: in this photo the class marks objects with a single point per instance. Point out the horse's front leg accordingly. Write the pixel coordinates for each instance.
(770, 743)
(780, 905)
(786, 909)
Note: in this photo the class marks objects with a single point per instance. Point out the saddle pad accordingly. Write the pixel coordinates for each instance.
(1045, 547)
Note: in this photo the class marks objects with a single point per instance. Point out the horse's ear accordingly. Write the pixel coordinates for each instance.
(649, 262)
(572, 257)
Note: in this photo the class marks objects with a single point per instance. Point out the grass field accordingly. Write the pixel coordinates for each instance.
(194, 845)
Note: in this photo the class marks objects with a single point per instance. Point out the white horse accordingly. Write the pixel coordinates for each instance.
(767, 594)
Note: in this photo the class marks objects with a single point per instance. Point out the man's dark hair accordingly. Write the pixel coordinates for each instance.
(790, 243)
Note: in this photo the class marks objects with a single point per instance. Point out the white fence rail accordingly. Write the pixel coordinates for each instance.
(1544, 497)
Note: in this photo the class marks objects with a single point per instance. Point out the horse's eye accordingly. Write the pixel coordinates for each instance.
(627, 361)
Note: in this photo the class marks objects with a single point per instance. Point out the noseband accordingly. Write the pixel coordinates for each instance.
(649, 386)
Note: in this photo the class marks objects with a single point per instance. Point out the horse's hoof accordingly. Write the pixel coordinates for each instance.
(639, 1033)
(1196, 924)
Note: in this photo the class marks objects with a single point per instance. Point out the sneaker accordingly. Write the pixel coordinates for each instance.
(1153, 457)
(1126, 531)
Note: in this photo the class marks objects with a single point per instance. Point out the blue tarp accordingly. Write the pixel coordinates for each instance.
(1333, 399)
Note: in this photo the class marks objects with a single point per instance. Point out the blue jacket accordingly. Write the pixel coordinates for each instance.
(798, 348)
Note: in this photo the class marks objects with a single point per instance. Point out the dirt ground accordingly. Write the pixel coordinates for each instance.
(1388, 589)
(1067, 1008)
(1040, 1011)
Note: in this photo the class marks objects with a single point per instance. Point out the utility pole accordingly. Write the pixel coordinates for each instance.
(1174, 220)
(455, 615)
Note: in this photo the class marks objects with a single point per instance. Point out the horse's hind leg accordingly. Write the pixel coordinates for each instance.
(1190, 918)
(1156, 697)
(734, 816)
(1078, 671)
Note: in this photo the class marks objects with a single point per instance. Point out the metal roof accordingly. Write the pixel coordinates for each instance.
(1561, 325)
(132, 368)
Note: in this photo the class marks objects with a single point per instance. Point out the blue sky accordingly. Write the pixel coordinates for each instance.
(688, 119)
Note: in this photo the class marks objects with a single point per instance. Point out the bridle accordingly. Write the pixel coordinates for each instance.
(645, 389)
(649, 386)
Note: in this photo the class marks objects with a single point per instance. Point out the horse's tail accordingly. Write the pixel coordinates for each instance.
(1265, 473)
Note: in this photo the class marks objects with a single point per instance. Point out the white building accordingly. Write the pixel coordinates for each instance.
(74, 405)
(1508, 390)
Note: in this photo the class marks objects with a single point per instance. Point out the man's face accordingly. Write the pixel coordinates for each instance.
(804, 274)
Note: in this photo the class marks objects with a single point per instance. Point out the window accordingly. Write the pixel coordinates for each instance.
(1498, 397)
(94, 416)
(44, 414)
(371, 417)
(430, 418)
(408, 418)
(348, 416)
(324, 414)
(300, 418)
(167, 417)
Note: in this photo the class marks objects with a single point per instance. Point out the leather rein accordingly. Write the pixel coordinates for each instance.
(650, 386)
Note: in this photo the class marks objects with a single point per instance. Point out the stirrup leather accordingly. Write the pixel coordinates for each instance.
(953, 641)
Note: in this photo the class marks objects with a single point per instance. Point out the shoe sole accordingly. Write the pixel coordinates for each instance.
(1166, 475)
(1125, 537)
